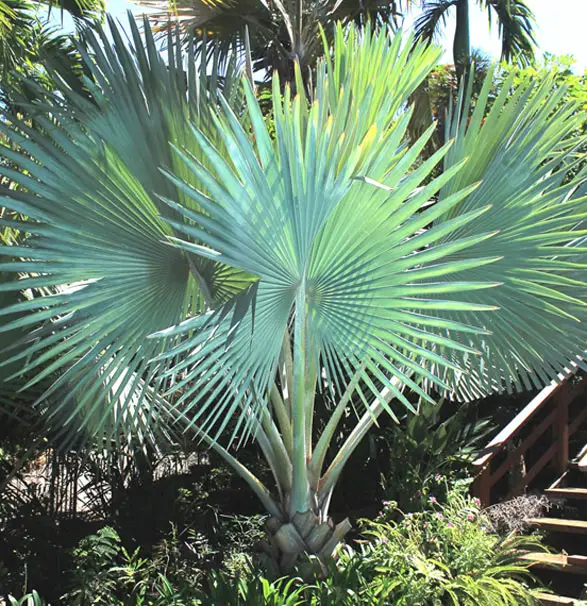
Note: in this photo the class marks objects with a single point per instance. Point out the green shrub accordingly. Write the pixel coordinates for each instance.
(435, 443)
(107, 573)
(445, 554)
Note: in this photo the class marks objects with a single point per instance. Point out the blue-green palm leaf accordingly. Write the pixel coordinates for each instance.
(89, 186)
(332, 217)
(520, 150)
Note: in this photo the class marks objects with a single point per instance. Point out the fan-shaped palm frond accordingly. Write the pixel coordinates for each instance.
(518, 150)
(96, 230)
(293, 200)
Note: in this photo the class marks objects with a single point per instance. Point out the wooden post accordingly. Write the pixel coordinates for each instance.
(561, 426)
(482, 487)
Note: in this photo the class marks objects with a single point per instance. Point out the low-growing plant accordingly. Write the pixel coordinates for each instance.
(107, 573)
(433, 445)
(445, 554)
(30, 599)
(251, 590)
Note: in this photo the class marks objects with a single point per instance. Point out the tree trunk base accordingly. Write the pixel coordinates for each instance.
(288, 542)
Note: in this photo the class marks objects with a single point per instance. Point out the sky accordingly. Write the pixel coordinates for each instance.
(560, 28)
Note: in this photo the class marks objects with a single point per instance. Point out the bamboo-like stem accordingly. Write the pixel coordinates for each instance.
(300, 489)
(282, 462)
(317, 461)
(310, 397)
(286, 371)
(283, 420)
(251, 479)
(270, 447)
(332, 474)
(272, 459)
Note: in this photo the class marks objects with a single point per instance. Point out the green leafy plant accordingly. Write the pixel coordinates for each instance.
(251, 590)
(107, 573)
(30, 599)
(445, 554)
(432, 446)
(94, 558)
(216, 279)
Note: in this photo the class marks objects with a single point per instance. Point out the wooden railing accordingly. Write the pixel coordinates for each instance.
(553, 400)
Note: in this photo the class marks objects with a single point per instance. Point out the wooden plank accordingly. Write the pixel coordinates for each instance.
(515, 455)
(482, 486)
(535, 470)
(548, 599)
(580, 461)
(559, 481)
(562, 400)
(499, 441)
(560, 525)
(561, 561)
(516, 424)
(567, 493)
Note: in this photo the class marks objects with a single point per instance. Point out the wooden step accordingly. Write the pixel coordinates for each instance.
(559, 561)
(560, 525)
(580, 461)
(566, 493)
(548, 599)
(560, 480)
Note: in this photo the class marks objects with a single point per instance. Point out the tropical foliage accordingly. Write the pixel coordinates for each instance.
(206, 273)
(276, 33)
(443, 554)
(433, 446)
(28, 43)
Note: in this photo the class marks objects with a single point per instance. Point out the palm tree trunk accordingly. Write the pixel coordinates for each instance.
(462, 43)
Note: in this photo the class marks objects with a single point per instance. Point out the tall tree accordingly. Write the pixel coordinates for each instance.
(515, 22)
(216, 274)
(281, 32)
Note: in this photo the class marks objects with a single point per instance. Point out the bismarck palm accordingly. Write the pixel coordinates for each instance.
(223, 276)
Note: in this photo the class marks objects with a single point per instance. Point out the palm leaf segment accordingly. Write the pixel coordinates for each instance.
(97, 237)
(518, 149)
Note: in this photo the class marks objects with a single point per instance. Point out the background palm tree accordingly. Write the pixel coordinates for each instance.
(279, 31)
(515, 22)
(27, 40)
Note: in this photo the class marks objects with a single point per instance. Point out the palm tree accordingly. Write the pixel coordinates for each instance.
(232, 282)
(281, 33)
(26, 40)
(515, 22)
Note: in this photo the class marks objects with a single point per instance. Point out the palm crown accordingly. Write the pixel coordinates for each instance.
(209, 272)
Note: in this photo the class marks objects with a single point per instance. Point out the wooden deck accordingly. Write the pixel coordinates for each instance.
(545, 425)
